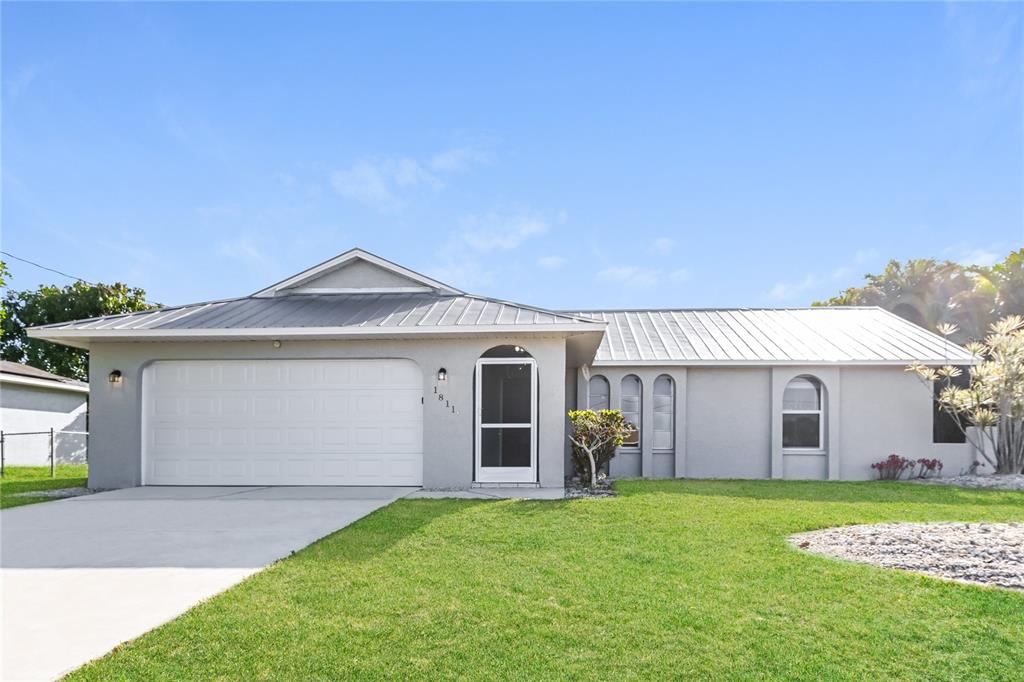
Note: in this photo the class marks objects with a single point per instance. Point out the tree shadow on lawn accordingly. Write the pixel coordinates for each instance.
(891, 493)
(378, 532)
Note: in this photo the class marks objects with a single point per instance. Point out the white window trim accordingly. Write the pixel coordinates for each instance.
(640, 413)
(608, 385)
(484, 474)
(820, 449)
(672, 414)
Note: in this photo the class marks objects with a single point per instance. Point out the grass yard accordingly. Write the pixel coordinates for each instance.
(30, 479)
(673, 579)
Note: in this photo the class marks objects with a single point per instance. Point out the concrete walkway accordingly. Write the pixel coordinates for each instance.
(82, 575)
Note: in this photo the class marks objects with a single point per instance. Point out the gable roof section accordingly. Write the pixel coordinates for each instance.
(322, 315)
(416, 283)
(804, 336)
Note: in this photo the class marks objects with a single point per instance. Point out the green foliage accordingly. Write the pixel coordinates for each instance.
(929, 293)
(993, 403)
(4, 274)
(594, 438)
(50, 304)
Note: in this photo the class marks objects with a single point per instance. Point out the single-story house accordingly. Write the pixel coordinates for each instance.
(32, 402)
(359, 371)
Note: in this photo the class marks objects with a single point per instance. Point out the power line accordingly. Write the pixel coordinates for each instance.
(63, 274)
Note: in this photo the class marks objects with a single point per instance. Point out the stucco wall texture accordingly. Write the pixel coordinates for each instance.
(729, 423)
(727, 420)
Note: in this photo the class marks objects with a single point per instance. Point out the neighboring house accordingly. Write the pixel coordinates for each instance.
(33, 401)
(361, 372)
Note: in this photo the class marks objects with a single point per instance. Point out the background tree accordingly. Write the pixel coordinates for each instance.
(50, 304)
(930, 293)
(993, 403)
(4, 274)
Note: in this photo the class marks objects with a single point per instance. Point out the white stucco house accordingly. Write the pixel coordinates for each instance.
(32, 402)
(359, 371)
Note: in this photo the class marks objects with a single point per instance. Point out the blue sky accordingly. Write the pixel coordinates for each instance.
(561, 155)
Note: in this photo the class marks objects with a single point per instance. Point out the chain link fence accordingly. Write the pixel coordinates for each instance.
(65, 445)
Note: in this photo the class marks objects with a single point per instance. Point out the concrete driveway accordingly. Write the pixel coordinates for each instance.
(80, 576)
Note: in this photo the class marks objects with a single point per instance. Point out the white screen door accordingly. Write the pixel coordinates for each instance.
(506, 418)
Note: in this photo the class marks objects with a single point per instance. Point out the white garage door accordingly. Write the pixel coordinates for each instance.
(282, 422)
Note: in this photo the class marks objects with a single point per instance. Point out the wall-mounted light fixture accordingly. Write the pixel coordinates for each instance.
(115, 377)
(277, 344)
(442, 374)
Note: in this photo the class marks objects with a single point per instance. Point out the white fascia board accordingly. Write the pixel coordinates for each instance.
(83, 335)
(42, 383)
(782, 363)
(350, 255)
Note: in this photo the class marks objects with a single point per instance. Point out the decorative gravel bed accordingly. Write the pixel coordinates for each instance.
(55, 492)
(574, 488)
(991, 481)
(981, 553)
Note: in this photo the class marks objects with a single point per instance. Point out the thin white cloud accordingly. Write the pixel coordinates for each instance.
(663, 245)
(457, 160)
(551, 262)
(384, 181)
(379, 181)
(680, 275)
(629, 275)
(787, 290)
(970, 254)
(244, 249)
(465, 273)
(799, 289)
(865, 256)
(986, 38)
(982, 257)
(495, 231)
(20, 82)
(641, 277)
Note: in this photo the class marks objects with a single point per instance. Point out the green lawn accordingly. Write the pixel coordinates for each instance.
(675, 579)
(29, 479)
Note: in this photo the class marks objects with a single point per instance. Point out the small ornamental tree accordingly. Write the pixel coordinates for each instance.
(594, 438)
(994, 401)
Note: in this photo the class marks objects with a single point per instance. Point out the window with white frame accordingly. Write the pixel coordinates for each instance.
(664, 413)
(803, 415)
(630, 406)
(599, 397)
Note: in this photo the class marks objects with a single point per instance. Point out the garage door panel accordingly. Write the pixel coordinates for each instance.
(291, 422)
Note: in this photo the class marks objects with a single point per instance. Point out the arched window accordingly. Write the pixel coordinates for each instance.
(630, 405)
(598, 393)
(664, 413)
(802, 414)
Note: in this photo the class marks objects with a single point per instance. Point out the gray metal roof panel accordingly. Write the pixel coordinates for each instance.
(370, 311)
(769, 336)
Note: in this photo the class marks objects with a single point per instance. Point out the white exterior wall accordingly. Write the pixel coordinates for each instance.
(632, 462)
(729, 422)
(37, 408)
(115, 442)
(887, 410)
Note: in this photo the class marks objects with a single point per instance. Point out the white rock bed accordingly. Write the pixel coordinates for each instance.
(989, 481)
(980, 553)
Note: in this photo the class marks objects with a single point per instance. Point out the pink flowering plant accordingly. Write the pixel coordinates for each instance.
(893, 467)
(928, 467)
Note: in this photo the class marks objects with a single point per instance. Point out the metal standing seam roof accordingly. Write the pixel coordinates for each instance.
(840, 335)
(372, 312)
